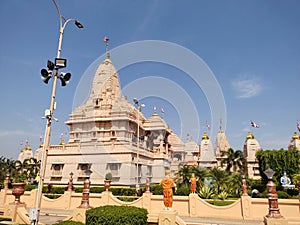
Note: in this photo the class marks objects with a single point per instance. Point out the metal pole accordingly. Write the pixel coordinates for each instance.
(138, 150)
(48, 125)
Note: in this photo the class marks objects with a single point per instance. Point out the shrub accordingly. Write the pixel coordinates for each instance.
(116, 215)
(96, 189)
(127, 199)
(292, 192)
(259, 186)
(223, 195)
(283, 194)
(69, 222)
(52, 196)
(29, 187)
(5, 219)
(183, 191)
(219, 203)
(205, 192)
(78, 189)
(156, 189)
(123, 191)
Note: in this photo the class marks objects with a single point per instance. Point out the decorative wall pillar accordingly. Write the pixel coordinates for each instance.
(147, 185)
(6, 182)
(70, 184)
(273, 217)
(86, 192)
(246, 202)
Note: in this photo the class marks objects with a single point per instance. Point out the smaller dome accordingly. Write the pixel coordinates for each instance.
(28, 147)
(250, 136)
(295, 136)
(205, 136)
(62, 142)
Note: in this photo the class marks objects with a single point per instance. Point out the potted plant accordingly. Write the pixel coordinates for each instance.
(19, 181)
(107, 181)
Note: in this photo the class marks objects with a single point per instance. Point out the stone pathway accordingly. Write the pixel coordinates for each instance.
(52, 216)
(216, 221)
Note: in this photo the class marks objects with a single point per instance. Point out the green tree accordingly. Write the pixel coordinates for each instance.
(234, 160)
(280, 161)
(220, 179)
(235, 184)
(31, 166)
(6, 166)
(185, 173)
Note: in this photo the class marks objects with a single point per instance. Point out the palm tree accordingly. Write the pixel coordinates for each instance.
(235, 184)
(234, 160)
(220, 179)
(183, 175)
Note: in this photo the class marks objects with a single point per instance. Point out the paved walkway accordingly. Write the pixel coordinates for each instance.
(216, 221)
(52, 216)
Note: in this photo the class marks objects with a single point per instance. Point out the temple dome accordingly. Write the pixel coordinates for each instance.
(205, 136)
(155, 122)
(250, 136)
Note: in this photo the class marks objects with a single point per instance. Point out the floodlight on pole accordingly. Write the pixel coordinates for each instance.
(52, 72)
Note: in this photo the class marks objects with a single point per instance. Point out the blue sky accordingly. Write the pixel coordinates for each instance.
(251, 47)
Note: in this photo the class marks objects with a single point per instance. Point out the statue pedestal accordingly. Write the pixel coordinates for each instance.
(275, 221)
(167, 217)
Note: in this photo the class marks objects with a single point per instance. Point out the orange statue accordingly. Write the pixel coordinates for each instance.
(167, 184)
(193, 181)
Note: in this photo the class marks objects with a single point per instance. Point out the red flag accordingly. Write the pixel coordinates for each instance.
(162, 110)
(27, 141)
(105, 39)
(207, 125)
(254, 124)
(41, 138)
(298, 126)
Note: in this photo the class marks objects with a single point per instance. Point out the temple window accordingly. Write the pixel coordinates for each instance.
(56, 170)
(82, 167)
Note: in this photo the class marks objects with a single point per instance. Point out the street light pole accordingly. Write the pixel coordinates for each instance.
(62, 24)
(139, 107)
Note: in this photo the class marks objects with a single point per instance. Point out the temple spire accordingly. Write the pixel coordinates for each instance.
(105, 40)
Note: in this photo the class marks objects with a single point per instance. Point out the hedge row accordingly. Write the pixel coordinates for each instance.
(69, 222)
(116, 215)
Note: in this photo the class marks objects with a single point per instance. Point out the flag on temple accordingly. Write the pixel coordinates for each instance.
(207, 125)
(154, 108)
(254, 124)
(105, 39)
(162, 110)
(298, 126)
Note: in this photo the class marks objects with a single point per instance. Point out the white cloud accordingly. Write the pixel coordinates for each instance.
(14, 133)
(247, 88)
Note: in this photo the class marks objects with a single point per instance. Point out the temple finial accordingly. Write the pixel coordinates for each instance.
(105, 40)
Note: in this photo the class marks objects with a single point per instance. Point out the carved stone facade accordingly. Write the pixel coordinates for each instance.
(103, 138)
(295, 142)
(251, 146)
